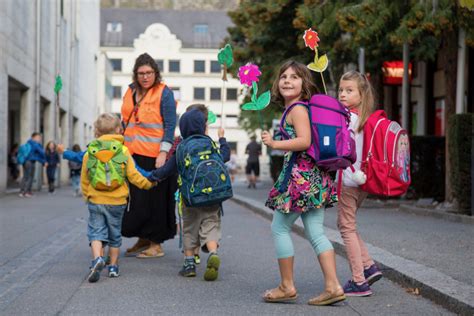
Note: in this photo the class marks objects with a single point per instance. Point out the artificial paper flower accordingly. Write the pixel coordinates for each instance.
(311, 38)
(248, 74)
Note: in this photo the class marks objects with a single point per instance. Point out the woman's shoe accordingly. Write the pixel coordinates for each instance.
(154, 251)
(140, 245)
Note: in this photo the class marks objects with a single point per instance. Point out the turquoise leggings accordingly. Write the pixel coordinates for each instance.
(313, 227)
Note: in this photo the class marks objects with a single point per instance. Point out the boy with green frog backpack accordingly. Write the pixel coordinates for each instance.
(106, 167)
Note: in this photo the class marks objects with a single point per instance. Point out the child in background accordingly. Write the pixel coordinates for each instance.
(356, 93)
(107, 193)
(304, 194)
(52, 161)
(75, 169)
(33, 153)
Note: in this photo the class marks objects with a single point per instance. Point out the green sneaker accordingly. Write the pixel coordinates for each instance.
(197, 259)
(212, 269)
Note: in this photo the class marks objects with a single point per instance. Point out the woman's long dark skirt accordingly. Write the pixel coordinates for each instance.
(151, 214)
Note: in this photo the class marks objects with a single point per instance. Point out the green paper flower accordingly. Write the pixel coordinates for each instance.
(225, 56)
(211, 117)
(59, 84)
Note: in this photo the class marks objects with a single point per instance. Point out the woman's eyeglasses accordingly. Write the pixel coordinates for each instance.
(145, 74)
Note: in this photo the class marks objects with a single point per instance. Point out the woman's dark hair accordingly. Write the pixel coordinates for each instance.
(76, 148)
(146, 60)
(308, 87)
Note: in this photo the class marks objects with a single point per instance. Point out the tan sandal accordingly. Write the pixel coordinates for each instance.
(328, 298)
(140, 245)
(270, 296)
(152, 252)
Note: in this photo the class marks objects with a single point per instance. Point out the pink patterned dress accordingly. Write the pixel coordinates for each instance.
(307, 186)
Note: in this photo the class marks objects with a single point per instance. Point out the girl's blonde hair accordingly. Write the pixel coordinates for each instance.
(107, 123)
(308, 88)
(367, 96)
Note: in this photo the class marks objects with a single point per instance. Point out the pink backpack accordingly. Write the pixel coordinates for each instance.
(332, 146)
(385, 156)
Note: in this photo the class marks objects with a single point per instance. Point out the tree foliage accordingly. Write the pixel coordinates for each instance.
(269, 32)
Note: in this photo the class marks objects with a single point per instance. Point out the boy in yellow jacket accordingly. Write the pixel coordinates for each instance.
(106, 167)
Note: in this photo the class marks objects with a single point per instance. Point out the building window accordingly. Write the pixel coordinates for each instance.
(215, 66)
(198, 93)
(173, 66)
(215, 93)
(160, 64)
(116, 64)
(201, 28)
(117, 94)
(114, 27)
(231, 94)
(176, 93)
(199, 66)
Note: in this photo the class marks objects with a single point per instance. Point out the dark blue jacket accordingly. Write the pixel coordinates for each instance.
(36, 152)
(191, 123)
(52, 159)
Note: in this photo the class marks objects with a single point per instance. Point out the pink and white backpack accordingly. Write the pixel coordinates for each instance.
(385, 156)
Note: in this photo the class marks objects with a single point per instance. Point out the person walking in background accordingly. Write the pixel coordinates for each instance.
(252, 170)
(75, 170)
(28, 154)
(356, 93)
(149, 120)
(52, 161)
(302, 190)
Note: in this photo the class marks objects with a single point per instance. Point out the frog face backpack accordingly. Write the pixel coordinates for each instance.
(106, 164)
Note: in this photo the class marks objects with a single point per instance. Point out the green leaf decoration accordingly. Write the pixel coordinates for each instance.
(225, 56)
(263, 100)
(251, 106)
(319, 65)
(58, 85)
(211, 117)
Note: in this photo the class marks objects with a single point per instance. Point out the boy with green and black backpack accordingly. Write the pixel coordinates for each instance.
(204, 184)
(106, 167)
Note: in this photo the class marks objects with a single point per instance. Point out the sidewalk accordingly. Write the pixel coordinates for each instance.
(426, 252)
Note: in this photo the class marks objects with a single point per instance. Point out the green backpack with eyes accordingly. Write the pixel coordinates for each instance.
(106, 167)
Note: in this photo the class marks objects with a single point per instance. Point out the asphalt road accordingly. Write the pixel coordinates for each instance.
(44, 258)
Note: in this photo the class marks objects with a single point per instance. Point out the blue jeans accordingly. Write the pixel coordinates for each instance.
(28, 176)
(313, 227)
(76, 182)
(105, 223)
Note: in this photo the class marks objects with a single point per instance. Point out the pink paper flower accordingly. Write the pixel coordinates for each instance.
(311, 38)
(248, 74)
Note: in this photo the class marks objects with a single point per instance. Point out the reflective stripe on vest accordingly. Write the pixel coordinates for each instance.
(144, 137)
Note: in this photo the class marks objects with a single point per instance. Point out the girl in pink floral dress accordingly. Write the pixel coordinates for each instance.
(304, 192)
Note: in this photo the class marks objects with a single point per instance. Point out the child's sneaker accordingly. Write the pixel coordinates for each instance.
(113, 271)
(197, 259)
(372, 274)
(188, 270)
(212, 269)
(96, 267)
(353, 289)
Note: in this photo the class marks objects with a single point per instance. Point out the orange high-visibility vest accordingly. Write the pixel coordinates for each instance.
(143, 136)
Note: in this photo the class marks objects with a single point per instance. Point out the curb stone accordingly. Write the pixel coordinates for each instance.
(434, 285)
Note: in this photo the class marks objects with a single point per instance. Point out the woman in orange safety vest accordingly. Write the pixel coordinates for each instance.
(149, 120)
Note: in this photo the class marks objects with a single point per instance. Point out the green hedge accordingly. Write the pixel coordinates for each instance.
(427, 167)
(460, 147)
